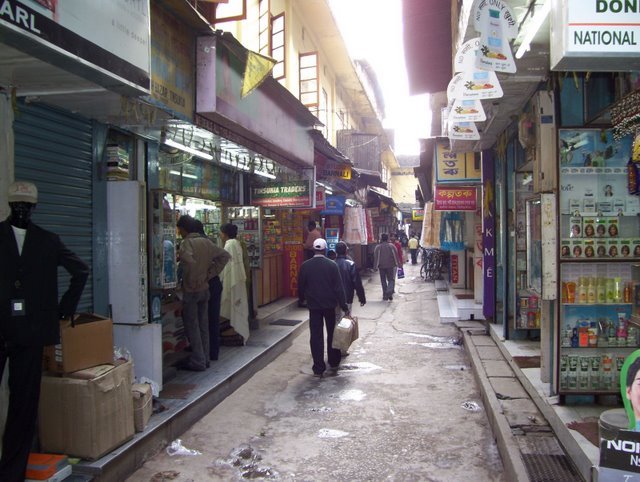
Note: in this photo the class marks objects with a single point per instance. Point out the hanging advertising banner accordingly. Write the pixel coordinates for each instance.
(293, 194)
(417, 214)
(488, 235)
(103, 40)
(332, 236)
(595, 36)
(464, 110)
(455, 198)
(469, 110)
(456, 167)
(496, 23)
(481, 84)
(334, 206)
(466, 131)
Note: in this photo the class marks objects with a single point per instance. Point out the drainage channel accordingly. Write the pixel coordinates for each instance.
(544, 458)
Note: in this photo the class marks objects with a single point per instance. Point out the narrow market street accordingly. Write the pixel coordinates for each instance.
(404, 406)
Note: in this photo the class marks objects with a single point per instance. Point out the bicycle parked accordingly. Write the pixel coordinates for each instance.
(433, 260)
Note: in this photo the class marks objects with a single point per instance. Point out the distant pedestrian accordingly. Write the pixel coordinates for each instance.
(313, 234)
(235, 302)
(196, 257)
(320, 284)
(398, 245)
(413, 249)
(385, 260)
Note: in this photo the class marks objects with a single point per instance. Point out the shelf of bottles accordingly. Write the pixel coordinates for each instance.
(598, 303)
(247, 219)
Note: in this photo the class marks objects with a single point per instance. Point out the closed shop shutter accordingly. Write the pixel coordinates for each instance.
(53, 149)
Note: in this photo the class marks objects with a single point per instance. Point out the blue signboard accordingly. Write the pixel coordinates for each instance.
(334, 205)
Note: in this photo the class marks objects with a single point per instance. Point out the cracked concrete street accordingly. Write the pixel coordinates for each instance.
(405, 406)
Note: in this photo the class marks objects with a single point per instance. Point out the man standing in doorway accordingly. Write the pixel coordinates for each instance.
(196, 260)
(385, 260)
(29, 317)
(413, 249)
(320, 284)
(314, 233)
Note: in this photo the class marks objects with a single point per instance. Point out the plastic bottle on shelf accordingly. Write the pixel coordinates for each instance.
(582, 291)
(628, 289)
(601, 291)
(610, 290)
(592, 296)
(617, 290)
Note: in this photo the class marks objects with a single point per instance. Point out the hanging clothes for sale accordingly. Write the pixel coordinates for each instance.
(353, 228)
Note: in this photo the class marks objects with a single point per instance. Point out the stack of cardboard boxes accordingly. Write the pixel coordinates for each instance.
(87, 399)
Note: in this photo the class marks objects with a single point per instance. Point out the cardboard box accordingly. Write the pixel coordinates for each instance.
(86, 418)
(142, 405)
(87, 344)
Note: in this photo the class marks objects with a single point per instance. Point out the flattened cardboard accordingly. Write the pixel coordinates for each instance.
(86, 418)
(87, 344)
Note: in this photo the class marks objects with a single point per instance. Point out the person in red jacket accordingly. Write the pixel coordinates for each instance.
(398, 245)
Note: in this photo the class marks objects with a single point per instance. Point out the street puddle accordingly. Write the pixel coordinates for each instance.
(353, 395)
(247, 461)
(437, 342)
(437, 346)
(359, 366)
(330, 433)
(471, 406)
(459, 368)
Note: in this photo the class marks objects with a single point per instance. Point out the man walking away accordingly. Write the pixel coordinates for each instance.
(196, 259)
(350, 276)
(320, 284)
(385, 259)
(413, 249)
(30, 317)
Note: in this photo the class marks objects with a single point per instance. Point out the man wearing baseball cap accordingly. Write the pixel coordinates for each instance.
(29, 316)
(320, 284)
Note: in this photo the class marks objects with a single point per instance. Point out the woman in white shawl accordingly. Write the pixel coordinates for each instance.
(234, 305)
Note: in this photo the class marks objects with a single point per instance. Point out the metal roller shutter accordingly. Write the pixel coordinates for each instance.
(53, 149)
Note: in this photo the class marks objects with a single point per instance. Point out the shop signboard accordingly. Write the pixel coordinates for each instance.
(293, 194)
(173, 50)
(417, 214)
(456, 167)
(332, 236)
(334, 206)
(596, 36)
(293, 256)
(455, 198)
(321, 198)
(488, 235)
(105, 40)
(332, 170)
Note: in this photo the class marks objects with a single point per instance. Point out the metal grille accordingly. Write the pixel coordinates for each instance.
(54, 150)
(545, 460)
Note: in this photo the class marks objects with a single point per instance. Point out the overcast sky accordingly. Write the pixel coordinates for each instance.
(372, 30)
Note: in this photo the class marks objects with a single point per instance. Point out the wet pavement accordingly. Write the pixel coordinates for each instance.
(404, 406)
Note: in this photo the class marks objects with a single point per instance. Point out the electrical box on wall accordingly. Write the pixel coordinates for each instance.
(545, 166)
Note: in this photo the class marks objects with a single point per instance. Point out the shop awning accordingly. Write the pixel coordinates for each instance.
(323, 146)
(382, 196)
(369, 178)
(427, 44)
(189, 15)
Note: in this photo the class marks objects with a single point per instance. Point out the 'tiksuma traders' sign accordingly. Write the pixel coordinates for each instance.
(294, 194)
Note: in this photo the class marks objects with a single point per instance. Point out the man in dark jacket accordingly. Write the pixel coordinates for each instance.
(319, 282)
(350, 276)
(29, 316)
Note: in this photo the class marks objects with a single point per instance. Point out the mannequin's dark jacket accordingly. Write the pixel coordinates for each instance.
(350, 279)
(33, 277)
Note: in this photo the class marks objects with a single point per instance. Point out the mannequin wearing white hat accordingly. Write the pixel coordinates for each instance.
(29, 316)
